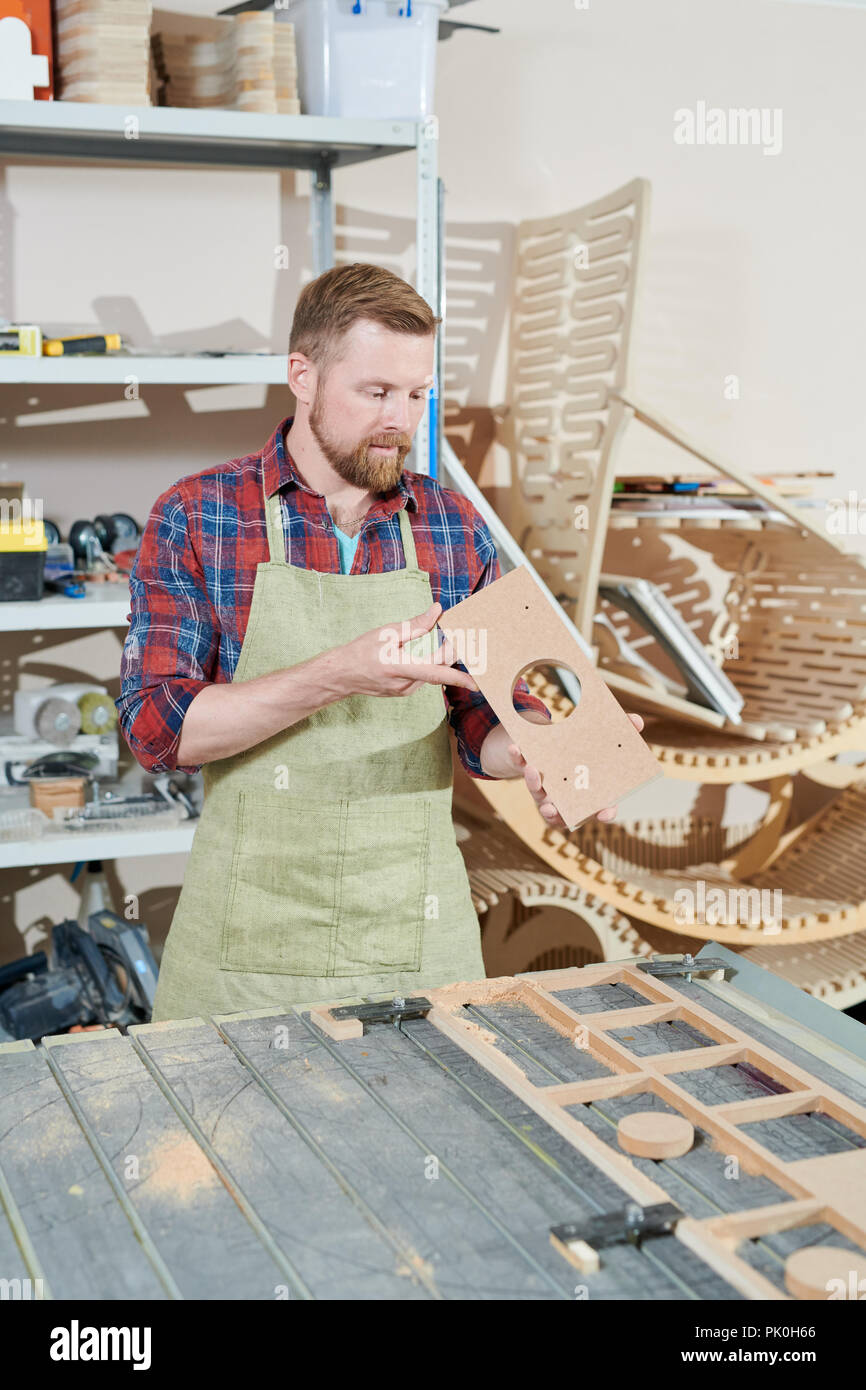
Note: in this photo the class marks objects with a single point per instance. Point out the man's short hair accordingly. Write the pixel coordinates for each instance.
(329, 305)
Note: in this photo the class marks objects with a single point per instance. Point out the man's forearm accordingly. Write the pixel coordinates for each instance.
(226, 719)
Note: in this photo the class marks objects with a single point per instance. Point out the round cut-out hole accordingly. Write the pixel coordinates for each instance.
(546, 671)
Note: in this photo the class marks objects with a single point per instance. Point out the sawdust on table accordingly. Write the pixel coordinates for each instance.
(414, 1265)
(501, 989)
(51, 1131)
(483, 1034)
(177, 1167)
(492, 991)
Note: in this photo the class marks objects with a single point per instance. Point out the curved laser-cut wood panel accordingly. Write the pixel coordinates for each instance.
(804, 861)
(794, 636)
(501, 868)
(574, 290)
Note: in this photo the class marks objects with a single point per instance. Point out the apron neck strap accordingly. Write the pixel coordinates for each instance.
(408, 539)
(277, 540)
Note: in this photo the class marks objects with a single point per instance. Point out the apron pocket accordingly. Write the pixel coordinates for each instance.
(382, 886)
(281, 908)
(325, 888)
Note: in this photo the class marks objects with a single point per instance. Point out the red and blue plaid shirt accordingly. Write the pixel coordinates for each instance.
(192, 585)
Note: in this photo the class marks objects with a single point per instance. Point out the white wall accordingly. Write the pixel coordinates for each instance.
(755, 263)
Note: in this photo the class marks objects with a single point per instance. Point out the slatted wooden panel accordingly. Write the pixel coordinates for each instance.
(793, 634)
(553, 923)
(810, 859)
(834, 971)
(569, 349)
(500, 867)
(795, 604)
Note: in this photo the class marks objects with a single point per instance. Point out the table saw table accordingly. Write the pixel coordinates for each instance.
(470, 1153)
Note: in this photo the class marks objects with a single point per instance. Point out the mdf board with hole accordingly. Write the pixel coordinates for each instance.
(474, 1152)
(589, 761)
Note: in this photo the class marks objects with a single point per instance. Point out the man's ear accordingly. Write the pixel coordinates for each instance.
(303, 377)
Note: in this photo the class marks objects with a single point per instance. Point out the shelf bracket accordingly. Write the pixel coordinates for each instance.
(322, 215)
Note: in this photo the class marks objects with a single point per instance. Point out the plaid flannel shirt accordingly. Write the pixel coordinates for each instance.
(192, 584)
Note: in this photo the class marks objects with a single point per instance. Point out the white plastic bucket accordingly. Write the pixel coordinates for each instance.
(368, 58)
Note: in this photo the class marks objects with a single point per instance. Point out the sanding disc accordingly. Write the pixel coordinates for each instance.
(655, 1134)
(826, 1271)
(98, 713)
(57, 721)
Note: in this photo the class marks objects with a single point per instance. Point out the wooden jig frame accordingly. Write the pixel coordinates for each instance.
(829, 1189)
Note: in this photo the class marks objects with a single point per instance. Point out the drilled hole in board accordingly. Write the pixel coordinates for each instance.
(537, 673)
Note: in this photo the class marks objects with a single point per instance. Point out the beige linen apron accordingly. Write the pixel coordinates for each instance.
(325, 864)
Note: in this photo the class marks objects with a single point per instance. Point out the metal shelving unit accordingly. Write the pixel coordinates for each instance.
(153, 137)
(71, 847)
(162, 136)
(103, 605)
(175, 135)
(115, 369)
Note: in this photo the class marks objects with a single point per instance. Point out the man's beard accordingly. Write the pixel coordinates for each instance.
(371, 471)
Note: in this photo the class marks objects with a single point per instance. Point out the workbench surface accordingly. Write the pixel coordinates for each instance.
(256, 1157)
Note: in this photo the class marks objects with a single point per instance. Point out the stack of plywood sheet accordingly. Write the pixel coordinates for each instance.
(253, 40)
(286, 68)
(102, 52)
(194, 58)
(244, 62)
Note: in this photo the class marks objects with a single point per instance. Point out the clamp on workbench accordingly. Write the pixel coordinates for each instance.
(687, 965)
(351, 1020)
(580, 1242)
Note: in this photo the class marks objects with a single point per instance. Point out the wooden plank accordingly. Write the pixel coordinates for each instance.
(839, 1181)
(692, 1059)
(698, 1058)
(81, 1237)
(747, 1225)
(582, 1092)
(339, 1028)
(660, 1270)
(19, 1276)
(319, 1229)
(739, 1112)
(342, 1094)
(191, 1215)
(629, 1018)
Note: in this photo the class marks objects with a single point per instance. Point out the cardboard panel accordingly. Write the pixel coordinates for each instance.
(590, 760)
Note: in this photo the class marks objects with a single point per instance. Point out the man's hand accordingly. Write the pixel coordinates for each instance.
(380, 661)
(229, 717)
(502, 758)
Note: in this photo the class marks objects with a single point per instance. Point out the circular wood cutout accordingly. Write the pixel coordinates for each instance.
(655, 1134)
(822, 1271)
